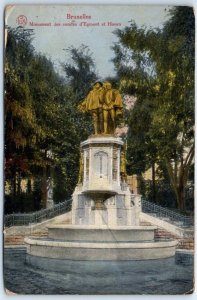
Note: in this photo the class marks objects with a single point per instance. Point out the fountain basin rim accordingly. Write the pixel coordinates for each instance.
(102, 227)
(99, 191)
(96, 245)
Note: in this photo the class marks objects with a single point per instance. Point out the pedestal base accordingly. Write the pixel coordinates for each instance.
(78, 250)
(96, 209)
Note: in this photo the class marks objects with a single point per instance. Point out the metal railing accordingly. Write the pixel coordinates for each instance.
(18, 219)
(167, 214)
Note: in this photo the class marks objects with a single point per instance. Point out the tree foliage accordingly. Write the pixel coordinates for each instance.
(157, 65)
(43, 130)
(80, 71)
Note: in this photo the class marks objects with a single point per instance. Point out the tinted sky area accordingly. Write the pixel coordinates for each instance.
(51, 39)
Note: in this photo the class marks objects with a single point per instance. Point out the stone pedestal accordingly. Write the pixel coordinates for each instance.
(105, 214)
(102, 198)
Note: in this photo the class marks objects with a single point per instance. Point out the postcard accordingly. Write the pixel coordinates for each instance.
(99, 149)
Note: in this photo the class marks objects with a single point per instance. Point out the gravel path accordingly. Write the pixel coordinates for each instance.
(96, 278)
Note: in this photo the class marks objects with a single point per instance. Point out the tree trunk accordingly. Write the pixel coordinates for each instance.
(179, 183)
(44, 188)
(181, 198)
(18, 184)
(14, 184)
(153, 183)
(140, 184)
(29, 189)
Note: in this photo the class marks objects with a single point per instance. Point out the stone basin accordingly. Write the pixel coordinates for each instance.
(101, 233)
(105, 251)
(89, 242)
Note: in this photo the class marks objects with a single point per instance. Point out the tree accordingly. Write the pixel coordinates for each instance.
(79, 77)
(158, 66)
(80, 72)
(20, 121)
(42, 127)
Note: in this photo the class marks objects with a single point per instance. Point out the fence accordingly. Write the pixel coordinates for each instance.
(18, 219)
(171, 216)
(44, 214)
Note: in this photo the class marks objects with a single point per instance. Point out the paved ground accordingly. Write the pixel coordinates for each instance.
(135, 277)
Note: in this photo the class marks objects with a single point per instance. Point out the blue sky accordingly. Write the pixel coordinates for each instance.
(52, 40)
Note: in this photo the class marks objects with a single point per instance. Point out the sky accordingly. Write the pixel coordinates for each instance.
(51, 40)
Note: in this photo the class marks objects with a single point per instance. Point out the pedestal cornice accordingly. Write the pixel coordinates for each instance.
(102, 140)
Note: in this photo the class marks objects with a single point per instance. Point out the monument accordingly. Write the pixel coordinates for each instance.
(105, 214)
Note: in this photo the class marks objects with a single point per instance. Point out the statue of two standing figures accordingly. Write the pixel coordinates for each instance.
(106, 106)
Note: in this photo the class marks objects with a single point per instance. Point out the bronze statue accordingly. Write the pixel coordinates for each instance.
(93, 104)
(112, 107)
(105, 104)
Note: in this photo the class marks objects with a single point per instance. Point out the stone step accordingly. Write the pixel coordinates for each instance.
(187, 242)
(166, 219)
(143, 223)
(153, 214)
(19, 239)
(184, 243)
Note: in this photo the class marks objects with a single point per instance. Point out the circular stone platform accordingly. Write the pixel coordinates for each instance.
(76, 242)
